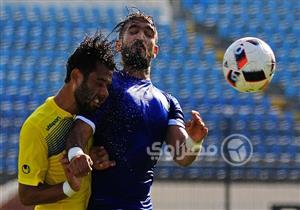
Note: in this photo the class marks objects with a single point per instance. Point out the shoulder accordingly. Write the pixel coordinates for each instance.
(33, 124)
(31, 133)
(39, 117)
(36, 116)
(168, 96)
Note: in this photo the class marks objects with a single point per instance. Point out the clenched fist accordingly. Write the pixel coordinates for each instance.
(101, 159)
(196, 128)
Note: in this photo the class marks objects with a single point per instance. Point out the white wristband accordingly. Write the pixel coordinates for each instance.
(68, 191)
(74, 151)
(192, 145)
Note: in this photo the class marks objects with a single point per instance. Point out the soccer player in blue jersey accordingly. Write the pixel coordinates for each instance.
(135, 117)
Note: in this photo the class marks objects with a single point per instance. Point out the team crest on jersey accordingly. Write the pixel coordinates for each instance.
(26, 169)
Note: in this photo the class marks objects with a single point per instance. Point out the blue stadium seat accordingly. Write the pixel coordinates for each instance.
(266, 21)
(11, 162)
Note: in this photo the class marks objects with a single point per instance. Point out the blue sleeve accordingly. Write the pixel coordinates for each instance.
(92, 119)
(176, 116)
(88, 119)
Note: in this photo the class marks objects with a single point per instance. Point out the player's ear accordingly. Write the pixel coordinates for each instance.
(76, 77)
(118, 45)
(155, 51)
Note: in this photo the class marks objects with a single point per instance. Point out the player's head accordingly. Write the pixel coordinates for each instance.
(137, 40)
(89, 71)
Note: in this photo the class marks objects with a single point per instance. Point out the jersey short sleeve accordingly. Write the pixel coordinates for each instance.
(176, 116)
(33, 160)
(87, 120)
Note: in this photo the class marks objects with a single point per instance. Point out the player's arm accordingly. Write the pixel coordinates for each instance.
(81, 163)
(77, 139)
(80, 133)
(41, 194)
(44, 193)
(187, 141)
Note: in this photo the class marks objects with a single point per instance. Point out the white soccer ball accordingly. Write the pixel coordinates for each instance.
(249, 64)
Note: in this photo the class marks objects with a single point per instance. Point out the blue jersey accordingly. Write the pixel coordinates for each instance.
(134, 117)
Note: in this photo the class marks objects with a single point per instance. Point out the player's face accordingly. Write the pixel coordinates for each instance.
(93, 90)
(139, 44)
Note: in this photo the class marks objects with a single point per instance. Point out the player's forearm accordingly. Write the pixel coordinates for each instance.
(183, 155)
(189, 151)
(79, 135)
(42, 194)
(185, 160)
(184, 149)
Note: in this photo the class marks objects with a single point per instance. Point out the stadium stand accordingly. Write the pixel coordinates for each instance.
(276, 21)
(34, 42)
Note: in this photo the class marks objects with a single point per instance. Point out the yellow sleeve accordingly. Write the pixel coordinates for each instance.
(33, 155)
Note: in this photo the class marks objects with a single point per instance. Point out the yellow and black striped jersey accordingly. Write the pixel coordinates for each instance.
(42, 142)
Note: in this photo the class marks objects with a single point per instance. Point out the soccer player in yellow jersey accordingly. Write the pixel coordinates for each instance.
(44, 177)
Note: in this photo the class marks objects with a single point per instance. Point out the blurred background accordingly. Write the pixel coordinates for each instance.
(38, 36)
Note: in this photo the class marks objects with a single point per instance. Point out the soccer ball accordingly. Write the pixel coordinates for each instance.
(249, 64)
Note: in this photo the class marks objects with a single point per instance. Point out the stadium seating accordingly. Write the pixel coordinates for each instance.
(36, 40)
(277, 22)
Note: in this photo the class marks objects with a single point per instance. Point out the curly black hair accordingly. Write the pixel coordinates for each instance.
(93, 50)
(138, 14)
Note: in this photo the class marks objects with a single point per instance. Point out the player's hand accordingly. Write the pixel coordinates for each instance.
(196, 128)
(81, 165)
(100, 158)
(73, 181)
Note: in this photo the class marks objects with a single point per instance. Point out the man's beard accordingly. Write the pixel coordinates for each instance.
(83, 98)
(134, 57)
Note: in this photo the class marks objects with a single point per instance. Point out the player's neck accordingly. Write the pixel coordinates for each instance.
(139, 74)
(65, 100)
